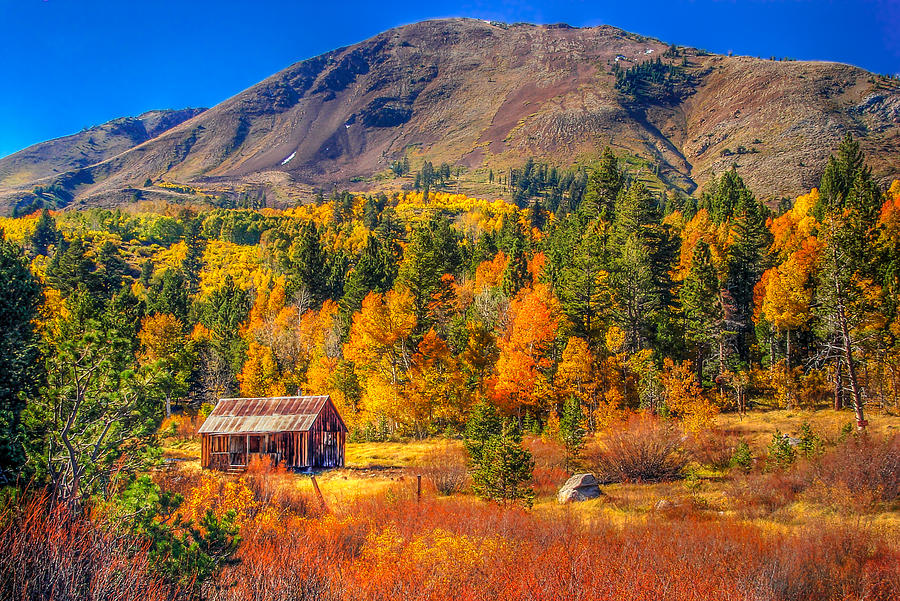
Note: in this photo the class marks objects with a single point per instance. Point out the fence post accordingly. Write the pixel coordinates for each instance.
(319, 494)
(418, 487)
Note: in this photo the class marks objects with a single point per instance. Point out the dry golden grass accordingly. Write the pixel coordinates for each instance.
(757, 427)
(377, 469)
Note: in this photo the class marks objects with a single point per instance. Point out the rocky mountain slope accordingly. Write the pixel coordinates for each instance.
(87, 147)
(487, 95)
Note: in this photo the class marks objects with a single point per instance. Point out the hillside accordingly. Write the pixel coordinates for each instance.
(484, 95)
(87, 147)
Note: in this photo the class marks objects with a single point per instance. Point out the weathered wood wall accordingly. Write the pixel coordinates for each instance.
(321, 446)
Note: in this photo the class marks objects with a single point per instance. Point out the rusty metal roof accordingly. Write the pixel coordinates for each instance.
(274, 414)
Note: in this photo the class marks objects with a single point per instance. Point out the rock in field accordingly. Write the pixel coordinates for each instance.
(579, 487)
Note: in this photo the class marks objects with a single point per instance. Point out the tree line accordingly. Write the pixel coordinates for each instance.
(410, 309)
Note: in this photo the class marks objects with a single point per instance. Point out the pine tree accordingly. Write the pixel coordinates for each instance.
(843, 300)
(20, 371)
(639, 272)
(111, 270)
(603, 187)
(501, 469)
(45, 233)
(581, 285)
(572, 431)
(307, 262)
(193, 258)
(516, 275)
(746, 261)
(432, 251)
(71, 267)
(702, 304)
(482, 425)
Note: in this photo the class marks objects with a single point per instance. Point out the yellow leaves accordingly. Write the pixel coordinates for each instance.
(788, 294)
(702, 227)
(245, 264)
(615, 340)
(475, 213)
(381, 328)
(19, 229)
(160, 336)
(379, 345)
(575, 373)
(684, 396)
(445, 556)
(260, 376)
(791, 229)
(169, 258)
(221, 495)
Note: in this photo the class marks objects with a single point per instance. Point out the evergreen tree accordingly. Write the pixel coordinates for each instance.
(96, 407)
(434, 249)
(746, 261)
(193, 258)
(223, 355)
(723, 195)
(111, 270)
(516, 275)
(71, 267)
(169, 294)
(702, 304)
(307, 263)
(572, 431)
(581, 285)
(501, 469)
(603, 187)
(374, 272)
(482, 425)
(45, 233)
(20, 371)
(639, 271)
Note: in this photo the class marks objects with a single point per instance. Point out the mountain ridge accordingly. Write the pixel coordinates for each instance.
(486, 96)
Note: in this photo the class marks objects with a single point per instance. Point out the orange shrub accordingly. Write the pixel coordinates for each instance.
(47, 552)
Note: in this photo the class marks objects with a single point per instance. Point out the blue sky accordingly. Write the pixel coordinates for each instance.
(69, 64)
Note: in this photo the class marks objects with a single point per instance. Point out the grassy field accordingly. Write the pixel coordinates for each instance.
(375, 469)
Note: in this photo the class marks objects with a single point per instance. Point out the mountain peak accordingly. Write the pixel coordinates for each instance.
(486, 96)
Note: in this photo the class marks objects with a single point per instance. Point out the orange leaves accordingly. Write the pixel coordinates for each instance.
(260, 376)
(889, 218)
(533, 321)
(489, 274)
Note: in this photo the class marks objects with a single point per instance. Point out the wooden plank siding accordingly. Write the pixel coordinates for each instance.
(321, 445)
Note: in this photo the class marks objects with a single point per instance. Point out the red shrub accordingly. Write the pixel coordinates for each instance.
(549, 465)
(46, 552)
(645, 449)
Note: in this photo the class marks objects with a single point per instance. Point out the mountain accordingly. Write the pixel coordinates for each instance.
(482, 96)
(87, 147)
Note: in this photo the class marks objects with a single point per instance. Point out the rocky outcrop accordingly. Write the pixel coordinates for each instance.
(579, 487)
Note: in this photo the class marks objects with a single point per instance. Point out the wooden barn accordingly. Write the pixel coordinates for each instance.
(297, 432)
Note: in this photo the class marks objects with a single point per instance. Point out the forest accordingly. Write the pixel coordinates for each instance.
(587, 321)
